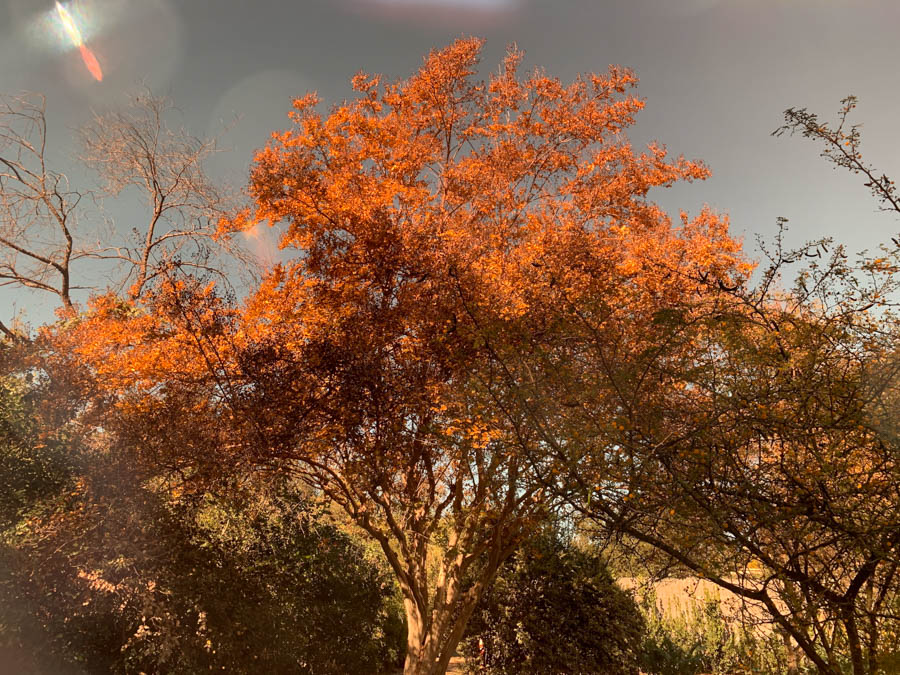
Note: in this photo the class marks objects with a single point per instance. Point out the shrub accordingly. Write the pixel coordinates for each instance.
(555, 609)
(106, 567)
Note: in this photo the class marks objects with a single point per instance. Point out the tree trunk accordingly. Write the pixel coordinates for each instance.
(430, 644)
(425, 646)
(856, 655)
(428, 653)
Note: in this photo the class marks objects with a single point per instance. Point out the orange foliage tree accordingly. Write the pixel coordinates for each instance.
(436, 223)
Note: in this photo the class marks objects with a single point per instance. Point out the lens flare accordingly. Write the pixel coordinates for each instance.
(91, 63)
(261, 245)
(71, 28)
(68, 23)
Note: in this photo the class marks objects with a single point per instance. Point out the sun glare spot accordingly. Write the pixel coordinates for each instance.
(69, 25)
(481, 12)
(482, 5)
(73, 33)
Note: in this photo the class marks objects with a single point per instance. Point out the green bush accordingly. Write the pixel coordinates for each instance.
(130, 583)
(555, 609)
(106, 567)
(34, 463)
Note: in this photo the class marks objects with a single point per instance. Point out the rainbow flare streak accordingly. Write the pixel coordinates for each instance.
(71, 28)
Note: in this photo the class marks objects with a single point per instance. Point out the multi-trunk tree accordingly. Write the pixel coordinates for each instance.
(436, 224)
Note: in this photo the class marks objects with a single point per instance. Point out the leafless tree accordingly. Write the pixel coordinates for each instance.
(135, 148)
(37, 205)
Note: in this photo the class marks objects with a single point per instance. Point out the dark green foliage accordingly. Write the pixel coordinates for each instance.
(34, 463)
(555, 609)
(108, 568)
(134, 584)
(282, 588)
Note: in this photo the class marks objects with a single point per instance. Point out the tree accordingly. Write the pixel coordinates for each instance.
(434, 221)
(44, 229)
(37, 205)
(136, 148)
(764, 456)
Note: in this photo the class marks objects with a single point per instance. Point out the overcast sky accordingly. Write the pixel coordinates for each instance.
(716, 76)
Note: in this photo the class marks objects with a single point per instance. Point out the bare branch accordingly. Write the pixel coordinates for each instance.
(37, 207)
(136, 149)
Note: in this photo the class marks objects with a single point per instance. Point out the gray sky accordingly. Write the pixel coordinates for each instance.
(716, 76)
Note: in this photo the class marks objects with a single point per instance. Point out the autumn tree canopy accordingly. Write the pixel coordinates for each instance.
(435, 224)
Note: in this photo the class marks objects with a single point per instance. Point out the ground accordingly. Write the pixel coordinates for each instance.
(457, 666)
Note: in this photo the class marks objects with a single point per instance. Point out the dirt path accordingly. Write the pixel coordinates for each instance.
(457, 666)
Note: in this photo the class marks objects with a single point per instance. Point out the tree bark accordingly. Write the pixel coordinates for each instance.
(856, 655)
(437, 621)
(430, 648)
